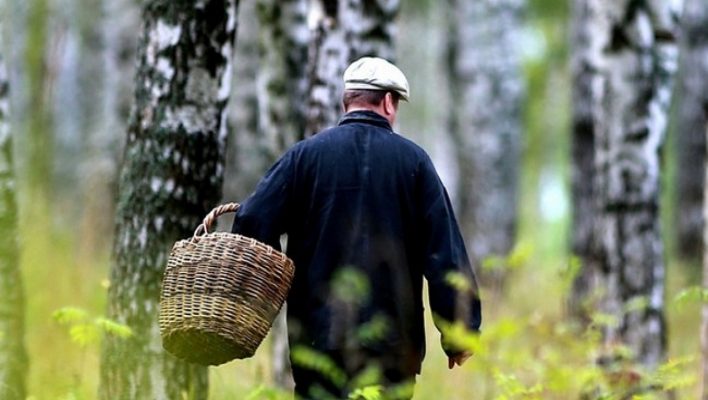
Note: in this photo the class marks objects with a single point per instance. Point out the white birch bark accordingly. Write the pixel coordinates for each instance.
(487, 92)
(112, 50)
(281, 86)
(245, 161)
(583, 160)
(344, 31)
(634, 54)
(282, 83)
(690, 138)
(171, 177)
(329, 54)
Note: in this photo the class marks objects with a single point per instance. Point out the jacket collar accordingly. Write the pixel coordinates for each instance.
(367, 117)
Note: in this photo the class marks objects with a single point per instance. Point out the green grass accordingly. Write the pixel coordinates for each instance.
(527, 350)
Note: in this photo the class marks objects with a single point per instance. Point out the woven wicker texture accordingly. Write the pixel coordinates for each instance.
(220, 294)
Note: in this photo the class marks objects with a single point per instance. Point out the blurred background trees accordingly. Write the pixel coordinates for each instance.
(524, 108)
(13, 354)
(172, 175)
(691, 94)
(486, 90)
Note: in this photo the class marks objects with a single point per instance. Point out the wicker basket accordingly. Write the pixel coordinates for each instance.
(220, 294)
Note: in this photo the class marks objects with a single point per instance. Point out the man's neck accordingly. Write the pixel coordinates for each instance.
(378, 110)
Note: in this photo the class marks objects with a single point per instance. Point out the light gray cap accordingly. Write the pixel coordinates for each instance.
(373, 73)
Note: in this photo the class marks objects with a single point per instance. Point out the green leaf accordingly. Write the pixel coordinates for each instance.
(84, 334)
(69, 315)
(350, 286)
(694, 294)
(367, 393)
(637, 303)
(458, 281)
(311, 359)
(114, 328)
(520, 255)
(600, 319)
(374, 330)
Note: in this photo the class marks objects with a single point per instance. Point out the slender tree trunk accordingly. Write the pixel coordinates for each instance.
(704, 327)
(328, 57)
(690, 140)
(245, 163)
(583, 160)
(346, 30)
(282, 83)
(40, 141)
(171, 177)
(485, 119)
(112, 49)
(634, 57)
(13, 356)
(281, 86)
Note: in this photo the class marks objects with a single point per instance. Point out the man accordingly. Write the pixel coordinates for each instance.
(366, 217)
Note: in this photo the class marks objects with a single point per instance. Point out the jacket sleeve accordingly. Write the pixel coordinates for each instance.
(452, 285)
(264, 214)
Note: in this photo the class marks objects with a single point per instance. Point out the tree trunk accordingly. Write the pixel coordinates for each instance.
(281, 86)
(487, 92)
(171, 177)
(690, 138)
(284, 37)
(583, 160)
(114, 44)
(634, 56)
(346, 30)
(245, 164)
(40, 141)
(704, 327)
(13, 356)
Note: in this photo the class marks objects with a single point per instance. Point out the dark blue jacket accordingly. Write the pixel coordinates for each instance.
(366, 217)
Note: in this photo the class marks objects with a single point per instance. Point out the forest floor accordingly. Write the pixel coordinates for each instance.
(528, 349)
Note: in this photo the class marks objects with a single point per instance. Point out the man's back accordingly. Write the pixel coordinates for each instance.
(366, 218)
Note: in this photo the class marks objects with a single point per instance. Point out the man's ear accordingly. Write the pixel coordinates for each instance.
(389, 103)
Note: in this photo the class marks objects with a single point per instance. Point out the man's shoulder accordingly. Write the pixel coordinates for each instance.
(336, 135)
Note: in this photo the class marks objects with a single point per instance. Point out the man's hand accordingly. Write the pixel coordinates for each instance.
(458, 359)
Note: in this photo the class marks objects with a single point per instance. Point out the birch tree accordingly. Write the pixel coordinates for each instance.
(633, 58)
(171, 177)
(281, 86)
(704, 326)
(282, 83)
(485, 120)
(13, 356)
(583, 158)
(113, 48)
(245, 164)
(690, 141)
(345, 31)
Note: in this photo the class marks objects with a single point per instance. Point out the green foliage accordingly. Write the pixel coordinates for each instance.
(512, 388)
(367, 393)
(113, 328)
(69, 315)
(374, 330)
(85, 331)
(311, 359)
(458, 281)
(263, 392)
(350, 286)
(695, 294)
(519, 256)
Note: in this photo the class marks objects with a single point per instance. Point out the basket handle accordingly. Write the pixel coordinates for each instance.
(209, 220)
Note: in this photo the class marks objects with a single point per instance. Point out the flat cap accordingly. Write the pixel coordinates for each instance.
(373, 73)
